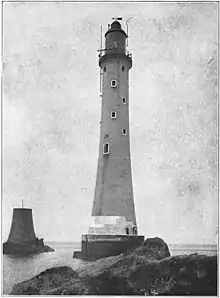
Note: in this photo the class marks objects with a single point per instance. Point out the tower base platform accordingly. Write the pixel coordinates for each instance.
(34, 246)
(95, 247)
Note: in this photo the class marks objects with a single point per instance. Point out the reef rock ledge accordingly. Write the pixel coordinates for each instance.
(146, 270)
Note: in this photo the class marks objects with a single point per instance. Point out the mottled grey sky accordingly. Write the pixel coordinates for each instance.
(52, 110)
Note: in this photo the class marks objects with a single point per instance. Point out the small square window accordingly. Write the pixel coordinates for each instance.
(113, 83)
(123, 68)
(113, 115)
(124, 131)
(123, 100)
(106, 148)
(104, 69)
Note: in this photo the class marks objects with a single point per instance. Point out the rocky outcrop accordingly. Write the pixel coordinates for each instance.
(47, 248)
(26, 248)
(147, 270)
(154, 248)
(45, 281)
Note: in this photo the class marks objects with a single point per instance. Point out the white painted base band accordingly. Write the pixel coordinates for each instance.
(111, 225)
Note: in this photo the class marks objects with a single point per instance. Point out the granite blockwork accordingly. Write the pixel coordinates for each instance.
(102, 246)
(22, 238)
(113, 229)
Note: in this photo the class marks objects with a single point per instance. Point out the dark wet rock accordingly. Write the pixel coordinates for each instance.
(36, 246)
(47, 248)
(45, 281)
(153, 248)
(147, 270)
(177, 275)
(157, 246)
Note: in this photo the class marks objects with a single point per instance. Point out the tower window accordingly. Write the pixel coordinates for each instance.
(113, 83)
(113, 115)
(106, 148)
(104, 68)
(123, 100)
(123, 68)
(124, 131)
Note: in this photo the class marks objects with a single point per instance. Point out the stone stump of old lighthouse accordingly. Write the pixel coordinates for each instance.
(113, 229)
(22, 239)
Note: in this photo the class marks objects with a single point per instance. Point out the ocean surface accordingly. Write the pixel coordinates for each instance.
(17, 269)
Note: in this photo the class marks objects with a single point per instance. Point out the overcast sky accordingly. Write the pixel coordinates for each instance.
(52, 110)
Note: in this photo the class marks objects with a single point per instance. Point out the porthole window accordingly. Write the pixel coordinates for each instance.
(124, 131)
(113, 83)
(123, 100)
(106, 148)
(123, 68)
(113, 115)
(104, 69)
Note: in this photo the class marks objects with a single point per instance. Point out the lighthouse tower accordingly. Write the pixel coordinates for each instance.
(113, 227)
(113, 206)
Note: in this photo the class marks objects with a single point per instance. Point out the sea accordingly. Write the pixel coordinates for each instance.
(18, 269)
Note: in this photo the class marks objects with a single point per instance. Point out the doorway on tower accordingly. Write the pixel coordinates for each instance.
(134, 230)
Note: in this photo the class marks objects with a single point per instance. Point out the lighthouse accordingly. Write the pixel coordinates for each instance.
(113, 227)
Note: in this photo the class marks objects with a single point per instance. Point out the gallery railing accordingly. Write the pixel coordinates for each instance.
(103, 52)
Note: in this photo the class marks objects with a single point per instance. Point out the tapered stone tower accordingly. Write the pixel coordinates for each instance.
(113, 228)
(22, 238)
(22, 227)
(114, 192)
